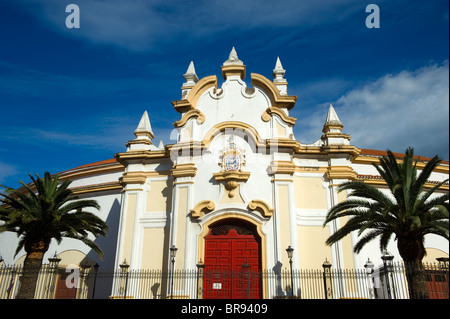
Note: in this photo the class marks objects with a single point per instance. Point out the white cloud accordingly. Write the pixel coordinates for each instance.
(396, 111)
(6, 170)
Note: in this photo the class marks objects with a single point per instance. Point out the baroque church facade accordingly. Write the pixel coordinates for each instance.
(236, 187)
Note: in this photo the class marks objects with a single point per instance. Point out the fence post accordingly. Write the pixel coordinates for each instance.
(200, 271)
(173, 253)
(387, 263)
(327, 284)
(124, 270)
(290, 251)
(369, 271)
(53, 273)
(245, 268)
(95, 279)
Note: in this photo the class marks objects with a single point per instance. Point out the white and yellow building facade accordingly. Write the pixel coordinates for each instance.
(236, 164)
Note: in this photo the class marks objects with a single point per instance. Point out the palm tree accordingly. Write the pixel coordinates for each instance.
(409, 211)
(52, 211)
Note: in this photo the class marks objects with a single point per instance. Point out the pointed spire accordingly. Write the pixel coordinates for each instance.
(278, 72)
(233, 59)
(144, 136)
(190, 75)
(278, 77)
(144, 128)
(332, 124)
(332, 117)
(233, 66)
(333, 129)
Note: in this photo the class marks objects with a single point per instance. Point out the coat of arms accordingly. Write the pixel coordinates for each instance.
(233, 157)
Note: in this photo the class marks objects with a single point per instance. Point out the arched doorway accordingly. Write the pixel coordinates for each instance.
(232, 261)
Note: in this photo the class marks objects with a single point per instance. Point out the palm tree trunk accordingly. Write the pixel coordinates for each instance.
(412, 251)
(31, 268)
(417, 282)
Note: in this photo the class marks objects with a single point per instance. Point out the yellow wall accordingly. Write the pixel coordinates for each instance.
(159, 197)
(311, 246)
(152, 248)
(309, 193)
(346, 242)
(432, 254)
(281, 130)
(74, 257)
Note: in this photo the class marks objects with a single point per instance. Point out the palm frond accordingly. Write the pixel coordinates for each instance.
(422, 198)
(51, 211)
(408, 210)
(366, 238)
(385, 238)
(20, 245)
(76, 205)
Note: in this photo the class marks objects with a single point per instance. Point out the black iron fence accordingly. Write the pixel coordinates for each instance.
(389, 281)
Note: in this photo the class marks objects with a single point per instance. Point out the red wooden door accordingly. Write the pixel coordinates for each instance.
(226, 252)
(437, 284)
(62, 291)
(217, 283)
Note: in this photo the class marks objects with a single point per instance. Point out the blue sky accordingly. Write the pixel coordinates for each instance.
(74, 96)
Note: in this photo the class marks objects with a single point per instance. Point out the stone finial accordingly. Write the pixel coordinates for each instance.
(144, 136)
(233, 59)
(333, 130)
(190, 75)
(144, 128)
(278, 72)
(279, 80)
(233, 67)
(332, 117)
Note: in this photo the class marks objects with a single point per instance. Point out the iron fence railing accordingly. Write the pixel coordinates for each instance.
(385, 282)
